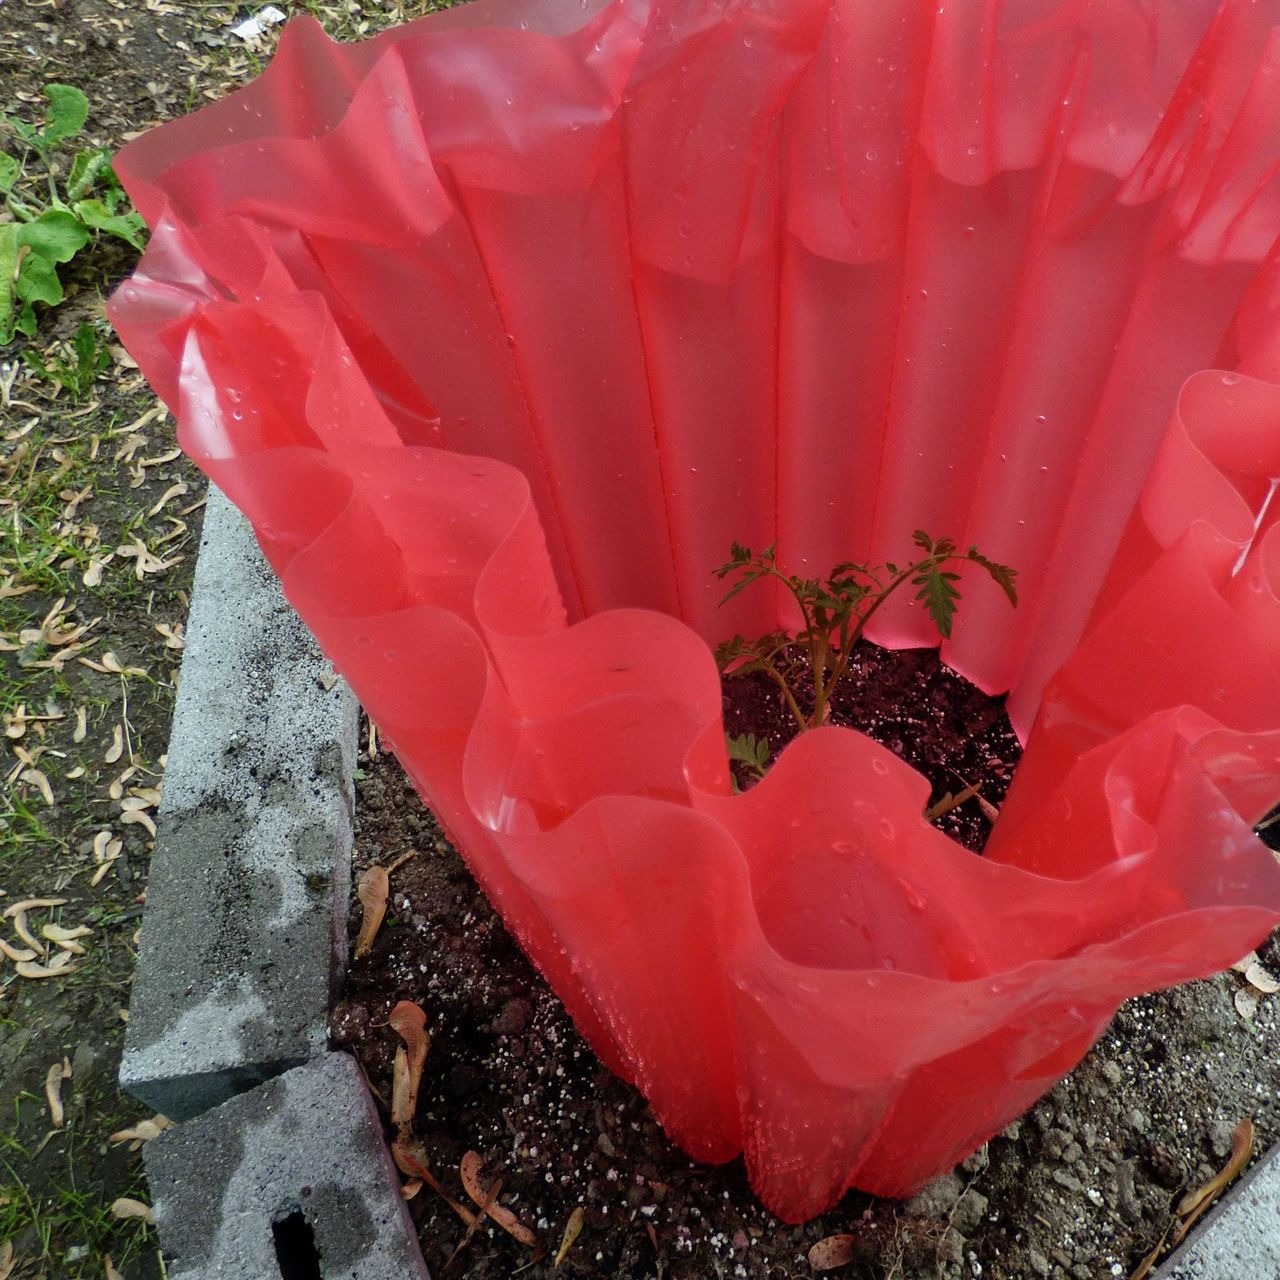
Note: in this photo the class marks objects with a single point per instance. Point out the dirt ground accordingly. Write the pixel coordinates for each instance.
(1082, 1188)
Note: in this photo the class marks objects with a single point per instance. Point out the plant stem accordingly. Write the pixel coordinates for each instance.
(792, 705)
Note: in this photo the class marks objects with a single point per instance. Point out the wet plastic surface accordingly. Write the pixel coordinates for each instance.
(501, 327)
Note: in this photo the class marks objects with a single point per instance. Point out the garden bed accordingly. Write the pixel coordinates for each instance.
(1082, 1187)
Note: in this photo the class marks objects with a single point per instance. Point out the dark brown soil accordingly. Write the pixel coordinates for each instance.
(908, 701)
(1078, 1190)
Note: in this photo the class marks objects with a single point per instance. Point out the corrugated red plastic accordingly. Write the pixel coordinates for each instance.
(502, 326)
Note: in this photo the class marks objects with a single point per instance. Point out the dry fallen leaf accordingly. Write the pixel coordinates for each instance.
(124, 1207)
(1260, 977)
(833, 1252)
(1246, 1002)
(116, 749)
(573, 1228)
(66, 938)
(406, 1154)
(38, 780)
(20, 928)
(17, 953)
(411, 1188)
(82, 724)
(141, 1132)
(1195, 1202)
(372, 891)
(140, 817)
(8, 1260)
(469, 1170)
(410, 1024)
(108, 1269)
(30, 904)
(28, 969)
(53, 1079)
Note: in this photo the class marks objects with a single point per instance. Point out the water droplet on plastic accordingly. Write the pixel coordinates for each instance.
(973, 149)
(1230, 379)
(871, 155)
(886, 828)
(879, 766)
(1042, 417)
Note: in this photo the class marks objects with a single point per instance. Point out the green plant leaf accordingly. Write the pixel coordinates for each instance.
(1001, 574)
(939, 595)
(86, 169)
(124, 226)
(28, 136)
(8, 269)
(10, 170)
(68, 111)
(55, 236)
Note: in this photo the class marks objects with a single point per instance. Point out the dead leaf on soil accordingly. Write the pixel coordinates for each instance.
(1148, 1263)
(1246, 1002)
(469, 1170)
(116, 749)
(124, 1207)
(1194, 1203)
(31, 904)
(7, 1260)
(139, 817)
(372, 891)
(471, 1230)
(108, 1269)
(949, 802)
(38, 780)
(833, 1252)
(572, 1230)
(411, 1188)
(57, 968)
(20, 928)
(17, 954)
(410, 1024)
(1259, 976)
(141, 1132)
(53, 1079)
(67, 939)
(82, 724)
(404, 1152)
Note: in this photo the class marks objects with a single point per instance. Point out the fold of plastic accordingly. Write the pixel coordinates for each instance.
(502, 326)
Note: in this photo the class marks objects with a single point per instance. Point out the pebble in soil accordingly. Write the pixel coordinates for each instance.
(1079, 1189)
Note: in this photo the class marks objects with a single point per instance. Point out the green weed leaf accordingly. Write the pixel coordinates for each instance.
(10, 169)
(68, 111)
(124, 226)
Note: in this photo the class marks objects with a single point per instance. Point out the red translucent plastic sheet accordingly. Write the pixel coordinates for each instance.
(502, 326)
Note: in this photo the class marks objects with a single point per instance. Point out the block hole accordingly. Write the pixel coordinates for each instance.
(296, 1253)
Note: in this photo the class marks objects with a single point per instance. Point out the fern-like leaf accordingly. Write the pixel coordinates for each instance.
(939, 595)
(1003, 576)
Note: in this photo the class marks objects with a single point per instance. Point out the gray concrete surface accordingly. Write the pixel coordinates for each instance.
(308, 1142)
(1240, 1239)
(244, 932)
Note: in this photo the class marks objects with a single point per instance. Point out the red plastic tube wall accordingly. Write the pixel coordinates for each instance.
(502, 326)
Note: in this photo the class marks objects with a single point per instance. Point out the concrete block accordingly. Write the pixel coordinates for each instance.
(244, 932)
(1240, 1239)
(290, 1179)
